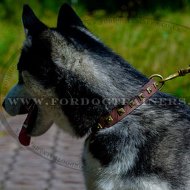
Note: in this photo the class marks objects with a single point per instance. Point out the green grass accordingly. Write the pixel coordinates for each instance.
(150, 46)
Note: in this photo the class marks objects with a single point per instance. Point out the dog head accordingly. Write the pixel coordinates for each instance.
(44, 57)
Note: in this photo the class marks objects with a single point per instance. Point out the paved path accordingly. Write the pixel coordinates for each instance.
(51, 163)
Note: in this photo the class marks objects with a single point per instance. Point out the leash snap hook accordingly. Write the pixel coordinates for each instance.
(180, 73)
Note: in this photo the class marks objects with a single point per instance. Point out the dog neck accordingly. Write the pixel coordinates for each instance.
(90, 99)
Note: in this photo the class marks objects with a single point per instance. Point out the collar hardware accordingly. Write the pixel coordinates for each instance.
(117, 114)
(148, 90)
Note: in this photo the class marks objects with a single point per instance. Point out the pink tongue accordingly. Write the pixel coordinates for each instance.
(24, 138)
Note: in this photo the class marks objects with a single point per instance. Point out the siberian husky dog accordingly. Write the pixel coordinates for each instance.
(77, 76)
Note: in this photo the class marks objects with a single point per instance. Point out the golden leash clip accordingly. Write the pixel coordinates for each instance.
(180, 73)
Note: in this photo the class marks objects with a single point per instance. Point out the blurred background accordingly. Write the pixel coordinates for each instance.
(152, 35)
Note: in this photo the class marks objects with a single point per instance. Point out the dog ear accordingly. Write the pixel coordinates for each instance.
(32, 24)
(67, 17)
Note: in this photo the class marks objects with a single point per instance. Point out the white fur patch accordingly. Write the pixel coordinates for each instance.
(154, 184)
(51, 107)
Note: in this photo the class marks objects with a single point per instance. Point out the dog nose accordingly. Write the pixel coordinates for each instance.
(3, 104)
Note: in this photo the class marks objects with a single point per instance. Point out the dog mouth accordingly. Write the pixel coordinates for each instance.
(28, 125)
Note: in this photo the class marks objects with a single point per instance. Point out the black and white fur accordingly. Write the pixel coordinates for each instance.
(147, 150)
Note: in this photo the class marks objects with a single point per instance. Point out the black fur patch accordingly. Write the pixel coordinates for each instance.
(105, 147)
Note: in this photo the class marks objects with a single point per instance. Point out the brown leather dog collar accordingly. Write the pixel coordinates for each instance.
(117, 114)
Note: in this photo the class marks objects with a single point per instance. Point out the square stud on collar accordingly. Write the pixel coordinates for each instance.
(120, 111)
(109, 119)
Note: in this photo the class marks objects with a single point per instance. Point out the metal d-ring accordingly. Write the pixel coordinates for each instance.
(158, 76)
